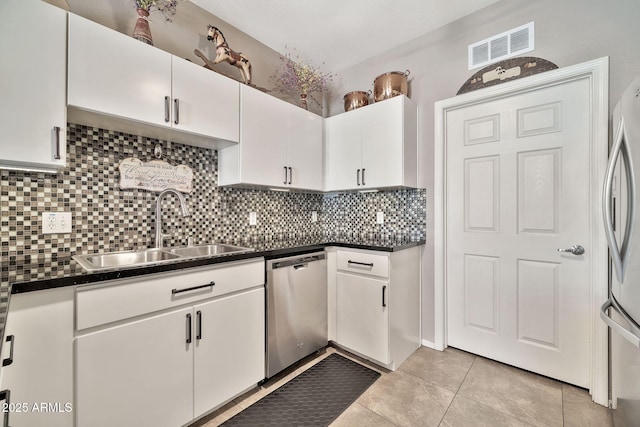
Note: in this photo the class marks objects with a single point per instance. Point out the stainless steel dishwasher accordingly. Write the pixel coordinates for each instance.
(296, 309)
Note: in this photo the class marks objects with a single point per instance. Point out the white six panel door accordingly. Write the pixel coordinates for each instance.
(518, 189)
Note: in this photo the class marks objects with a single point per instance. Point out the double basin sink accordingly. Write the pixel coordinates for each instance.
(108, 261)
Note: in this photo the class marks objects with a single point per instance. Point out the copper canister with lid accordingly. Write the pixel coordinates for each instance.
(356, 99)
(390, 84)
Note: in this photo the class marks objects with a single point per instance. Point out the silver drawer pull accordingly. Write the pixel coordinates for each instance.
(367, 264)
(193, 288)
(56, 142)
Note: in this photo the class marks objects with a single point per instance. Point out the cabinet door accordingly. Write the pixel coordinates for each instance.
(382, 143)
(204, 102)
(229, 353)
(41, 324)
(114, 74)
(139, 373)
(304, 149)
(32, 87)
(344, 155)
(362, 315)
(263, 138)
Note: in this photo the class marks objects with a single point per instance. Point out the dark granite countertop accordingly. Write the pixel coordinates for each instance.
(41, 275)
(67, 272)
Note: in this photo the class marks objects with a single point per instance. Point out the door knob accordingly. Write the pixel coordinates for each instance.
(575, 249)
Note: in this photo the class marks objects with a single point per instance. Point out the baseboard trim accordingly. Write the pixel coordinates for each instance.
(428, 344)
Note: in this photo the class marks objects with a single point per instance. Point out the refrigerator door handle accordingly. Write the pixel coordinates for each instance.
(619, 254)
(615, 326)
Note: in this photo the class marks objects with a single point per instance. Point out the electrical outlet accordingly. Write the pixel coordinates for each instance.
(56, 222)
(253, 218)
(380, 218)
(314, 216)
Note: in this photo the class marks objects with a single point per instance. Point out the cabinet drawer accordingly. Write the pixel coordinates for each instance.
(363, 263)
(123, 299)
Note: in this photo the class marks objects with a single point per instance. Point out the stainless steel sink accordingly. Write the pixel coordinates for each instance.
(207, 250)
(97, 262)
(123, 259)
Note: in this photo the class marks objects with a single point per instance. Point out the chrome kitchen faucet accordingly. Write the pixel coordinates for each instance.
(185, 213)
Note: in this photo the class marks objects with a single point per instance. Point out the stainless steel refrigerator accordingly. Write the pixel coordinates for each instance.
(622, 223)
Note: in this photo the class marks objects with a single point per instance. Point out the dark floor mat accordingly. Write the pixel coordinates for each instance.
(314, 398)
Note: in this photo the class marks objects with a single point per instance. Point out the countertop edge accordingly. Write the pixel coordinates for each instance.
(44, 284)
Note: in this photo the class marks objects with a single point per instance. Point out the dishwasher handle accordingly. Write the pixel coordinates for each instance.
(296, 262)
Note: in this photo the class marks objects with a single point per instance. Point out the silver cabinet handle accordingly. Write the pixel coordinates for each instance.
(630, 336)
(575, 249)
(384, 299)
(6, 396)
(198, 325)
(366, 264)
(358, 176)
(56, 142)
(619, 254)
(176, 112)
(193, 288)
(9, 360)
(290, 175)
(285, 176)
(363, 177)
(167, 107)
(188, 328)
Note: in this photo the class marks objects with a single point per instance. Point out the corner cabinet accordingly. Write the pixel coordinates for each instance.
(375, 308)
(373, 147)
(185, 343)
(118, 82)
(33, 89)
(280, 146)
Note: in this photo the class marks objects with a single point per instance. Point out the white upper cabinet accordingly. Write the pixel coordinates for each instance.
(304, 149)
(373, 147)
(280, 145)
(204, 102)
(32, 85)
(117, 81)
(344, 150)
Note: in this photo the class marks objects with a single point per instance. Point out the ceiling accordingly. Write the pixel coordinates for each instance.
(338, 33)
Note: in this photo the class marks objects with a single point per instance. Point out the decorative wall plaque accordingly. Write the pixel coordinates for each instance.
(506, 70)
(156, 175)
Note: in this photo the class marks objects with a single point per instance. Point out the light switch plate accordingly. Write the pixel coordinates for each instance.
(56, 222)
(380, 218)
(314, 216)
(253, 218)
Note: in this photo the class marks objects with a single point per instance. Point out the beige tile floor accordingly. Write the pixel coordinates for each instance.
(450, 388)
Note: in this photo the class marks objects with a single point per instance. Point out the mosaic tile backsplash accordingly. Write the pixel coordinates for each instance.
(107, 218)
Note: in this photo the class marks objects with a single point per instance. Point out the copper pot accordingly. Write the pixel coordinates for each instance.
(356, 99)
(390, 84)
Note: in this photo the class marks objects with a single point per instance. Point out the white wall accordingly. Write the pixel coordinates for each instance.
(567, 32)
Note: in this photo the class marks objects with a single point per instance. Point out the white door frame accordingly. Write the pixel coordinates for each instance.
(597, 72)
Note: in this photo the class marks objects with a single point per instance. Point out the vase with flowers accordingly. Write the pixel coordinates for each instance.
(142, 31)
(298, 78)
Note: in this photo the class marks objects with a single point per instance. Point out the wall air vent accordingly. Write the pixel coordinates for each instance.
(502, 46)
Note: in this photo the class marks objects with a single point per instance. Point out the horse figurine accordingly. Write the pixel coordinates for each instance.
(225, 53)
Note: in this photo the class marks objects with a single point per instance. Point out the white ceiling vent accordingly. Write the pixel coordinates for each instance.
(502, 46)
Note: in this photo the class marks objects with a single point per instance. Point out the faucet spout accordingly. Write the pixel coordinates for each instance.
(183, 206)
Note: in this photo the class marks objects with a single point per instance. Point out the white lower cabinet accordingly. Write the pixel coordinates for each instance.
(375, 303)
(229, 348)
(202, 345)
(40, 378)
(363, 315)
(140, 373)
